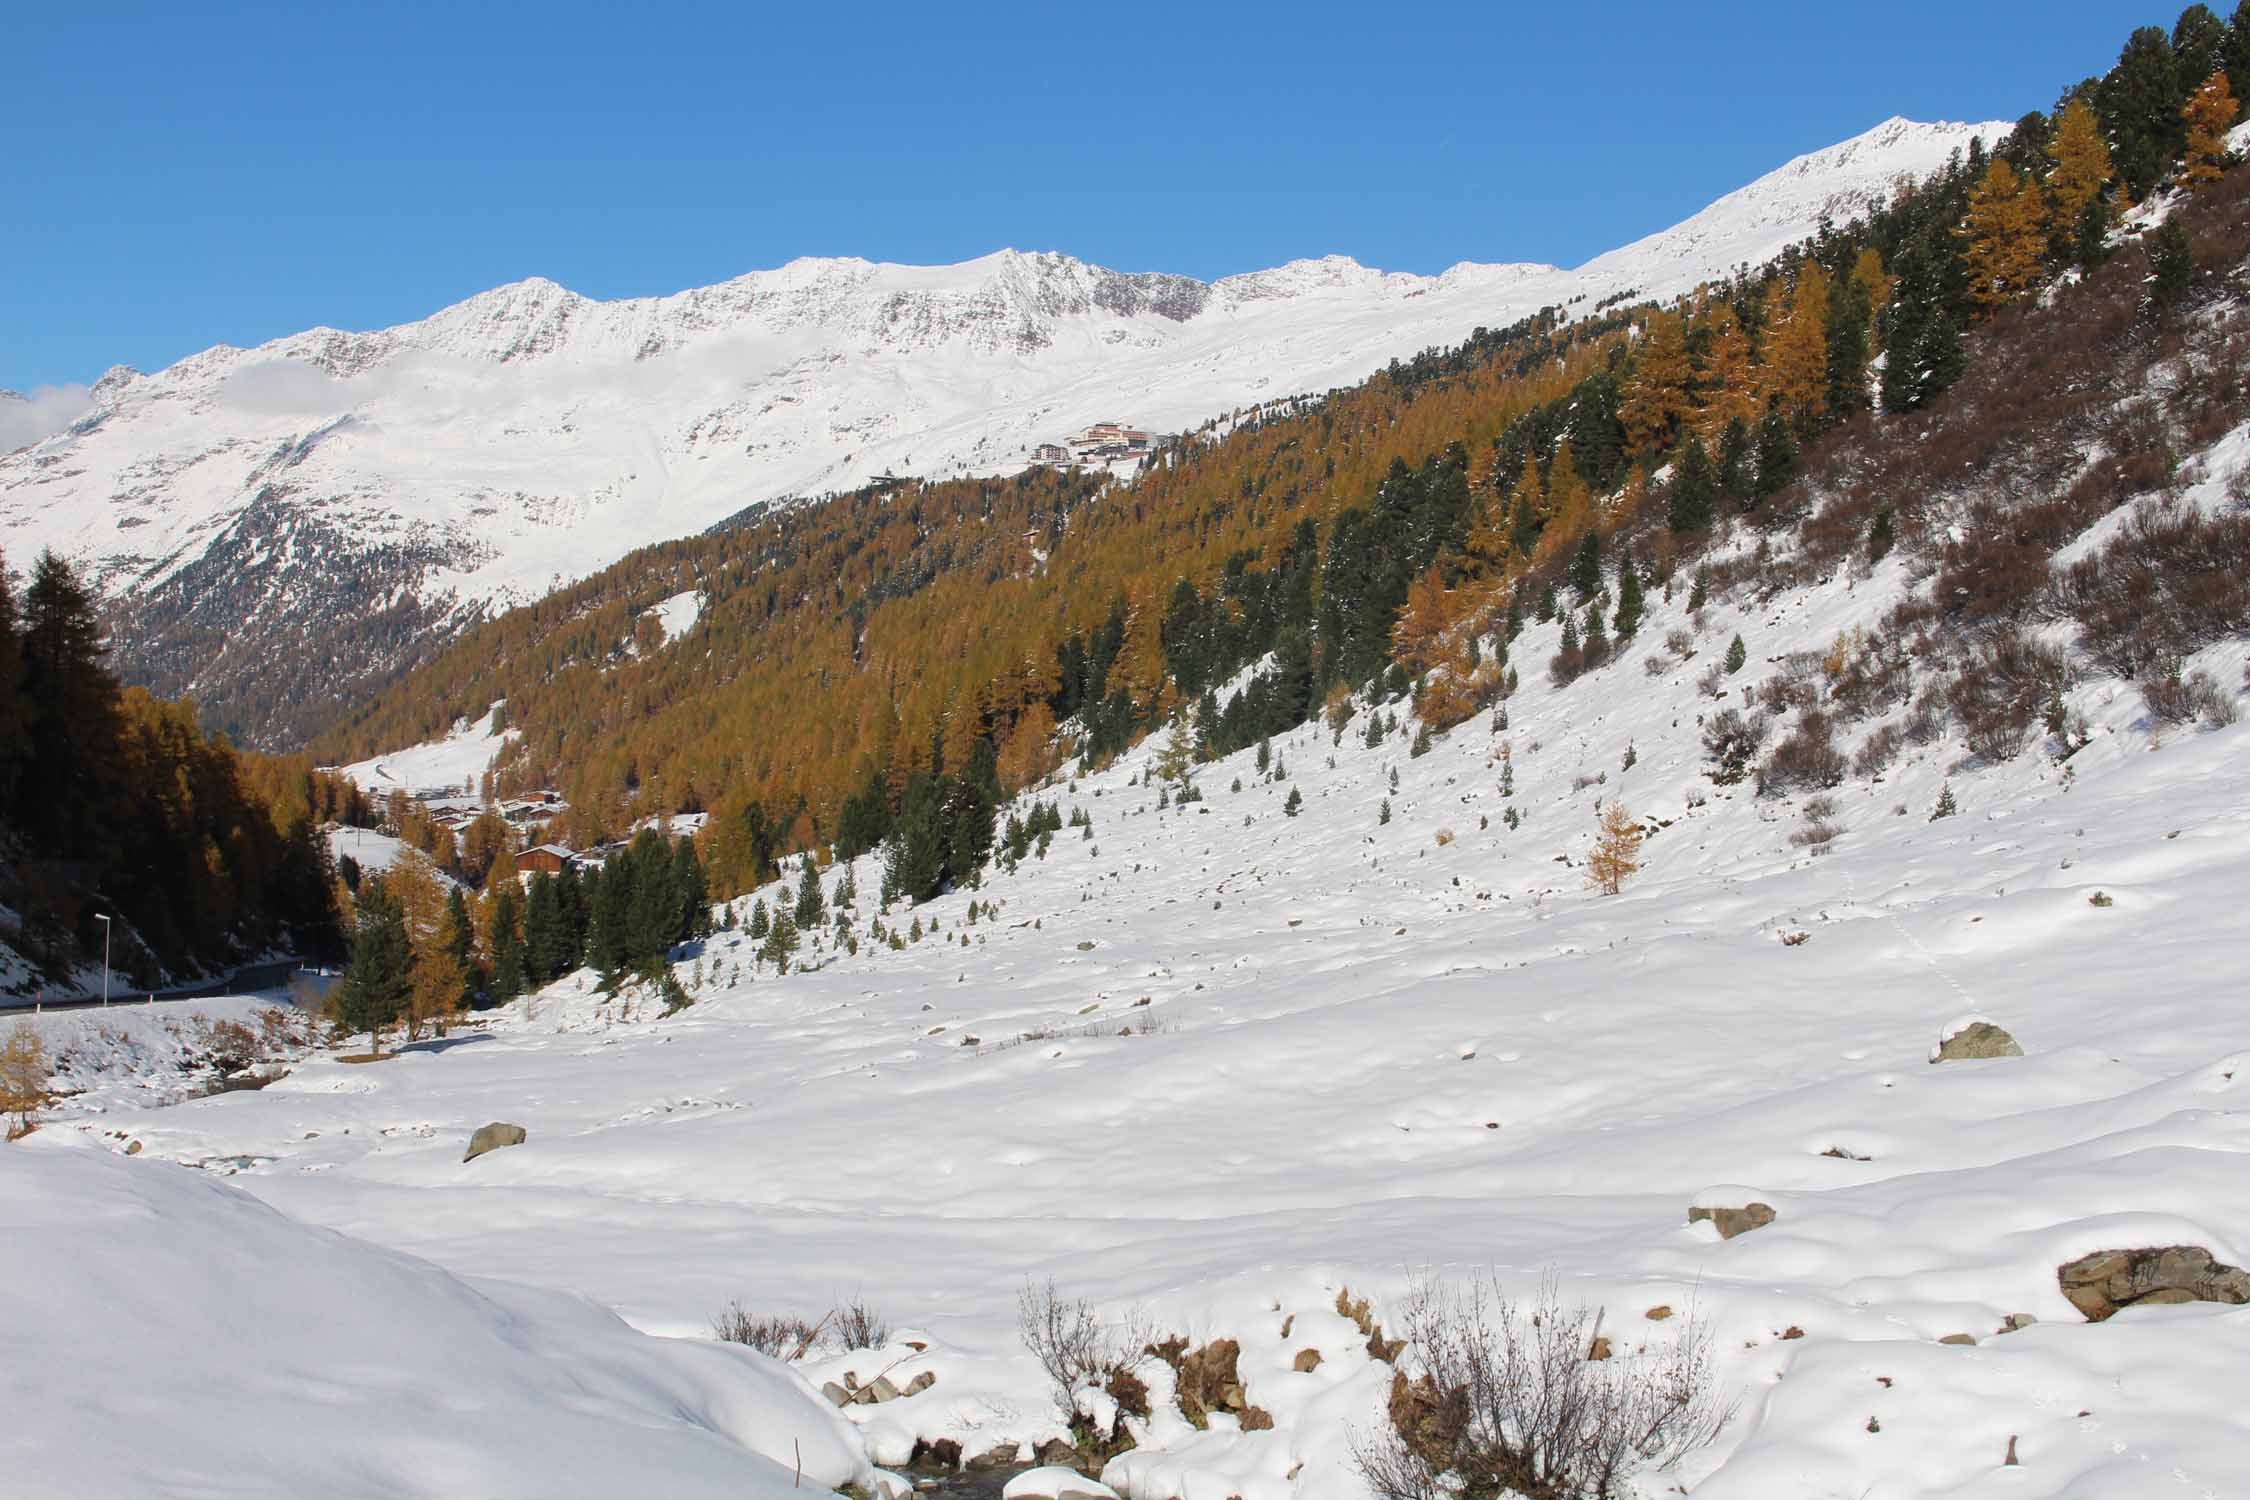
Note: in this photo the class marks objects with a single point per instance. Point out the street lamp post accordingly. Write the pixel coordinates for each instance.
(104, 920)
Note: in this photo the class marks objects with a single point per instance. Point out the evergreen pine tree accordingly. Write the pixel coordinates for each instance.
(1922, 343)
(761, 922)
(65, 781)
(1295, 802)
(691, 888)
(810, 906)
(1694, 499)
(508, 946)
(15, 710)
(543, 941)
(2140, 99)
(1850, 308)
(1776, 458)
(1737, 654)
(1586, 567)
(1630, 602)
(1735, 472)
(457, 936)
(1595, 637)
(376, 983)
(1881, 535)
(2171, 263)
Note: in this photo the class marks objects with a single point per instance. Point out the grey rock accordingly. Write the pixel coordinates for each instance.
(998, 1456)
(836, 1394)
(494, 1136)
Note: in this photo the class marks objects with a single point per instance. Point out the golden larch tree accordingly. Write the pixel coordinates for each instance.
(2080, 154)
(2210, 115)
(1729, 383)
(23, 1077)
(435, 975)
(1418, 635)
(2006, 231)
(1657, 396)
(1868, 274)
(1796, 367)
(1491, 542)
(1570, 500)
(1616, 855)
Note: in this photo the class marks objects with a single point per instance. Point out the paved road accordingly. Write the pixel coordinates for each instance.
(245, 980)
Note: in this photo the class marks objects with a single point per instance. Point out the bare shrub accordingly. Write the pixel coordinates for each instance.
(2173, 699)
(1508, 1399)
(1926, 722)
(1820, 828)
(2003, 691)
(1877, 751)
(1713, 682)
(1807, 758)
(1731, 740)
(784, 1337)
(2172, 580)
(1871, 675)
(859, 1326)
(1071, 1342)
(1679, 643)
(1797, 685)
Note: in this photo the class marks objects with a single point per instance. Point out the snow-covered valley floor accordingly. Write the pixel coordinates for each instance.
(1362, 1053)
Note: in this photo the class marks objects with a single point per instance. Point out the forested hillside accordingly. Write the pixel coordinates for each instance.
(1406, 527)
(114, 803)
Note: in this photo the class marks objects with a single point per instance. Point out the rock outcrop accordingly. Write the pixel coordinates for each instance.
(2100, 1284)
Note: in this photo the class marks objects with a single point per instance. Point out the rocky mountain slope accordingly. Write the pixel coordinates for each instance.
(278, 528)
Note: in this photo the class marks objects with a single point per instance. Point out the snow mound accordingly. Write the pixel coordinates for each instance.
(170, 1335)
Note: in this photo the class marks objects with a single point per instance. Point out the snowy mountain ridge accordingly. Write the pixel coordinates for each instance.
(256, 502)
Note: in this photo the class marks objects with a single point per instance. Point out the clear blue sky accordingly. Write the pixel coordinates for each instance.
(181, 175)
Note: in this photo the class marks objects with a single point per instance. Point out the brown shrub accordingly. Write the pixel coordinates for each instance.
(2170, 582)
(1807, 758)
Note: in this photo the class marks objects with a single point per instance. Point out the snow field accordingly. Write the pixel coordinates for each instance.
(1366, 1058)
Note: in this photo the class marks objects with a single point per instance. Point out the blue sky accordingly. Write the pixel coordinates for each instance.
(183, 175)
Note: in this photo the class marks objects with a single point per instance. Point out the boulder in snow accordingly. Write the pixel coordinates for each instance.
(1733, 1221)
(1975, 1039)
(494, 1136)
(2101, 1283)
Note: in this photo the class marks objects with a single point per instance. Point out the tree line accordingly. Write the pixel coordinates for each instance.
(116, 804)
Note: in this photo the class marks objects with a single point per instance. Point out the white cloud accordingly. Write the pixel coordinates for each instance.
(24, 420)
(283, 387)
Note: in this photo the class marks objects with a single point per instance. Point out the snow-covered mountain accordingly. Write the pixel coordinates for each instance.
(333, 497)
